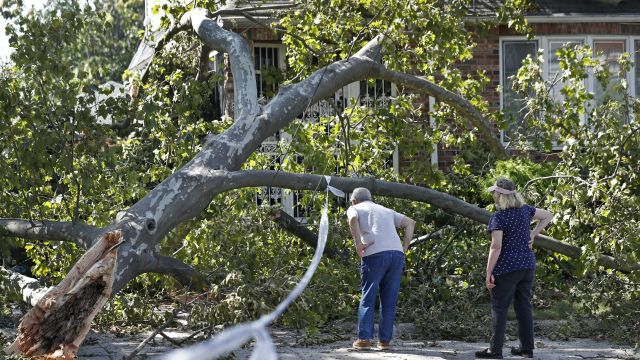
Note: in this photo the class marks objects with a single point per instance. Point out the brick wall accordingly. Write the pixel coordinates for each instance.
(262, 35)
(586, 28)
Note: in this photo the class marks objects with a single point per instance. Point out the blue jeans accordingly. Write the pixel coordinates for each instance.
(516, 286)
(381, 271)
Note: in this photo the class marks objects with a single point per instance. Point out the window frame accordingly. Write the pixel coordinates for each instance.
(628, 44)
(635, 91)
(501, 54)
(587, 39)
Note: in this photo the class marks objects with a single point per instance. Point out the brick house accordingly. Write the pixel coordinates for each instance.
(610, 27)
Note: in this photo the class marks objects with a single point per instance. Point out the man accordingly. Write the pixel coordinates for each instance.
(373, 228)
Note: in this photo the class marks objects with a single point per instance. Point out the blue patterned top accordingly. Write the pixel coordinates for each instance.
(515, 224)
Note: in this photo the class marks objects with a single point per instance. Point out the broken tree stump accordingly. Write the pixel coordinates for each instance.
(56, 326)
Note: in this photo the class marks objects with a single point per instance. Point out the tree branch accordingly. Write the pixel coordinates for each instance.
(29, 290)
(459, 103)
(255, 10)
(185, 274)
(293, 100)
(185, 24)
(293, 226)
(255, 178)
(424, 238)
(76, 232)
(157, 331)
(366, 64)
(242, 66)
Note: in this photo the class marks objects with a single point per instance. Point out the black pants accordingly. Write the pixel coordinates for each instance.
(516, 286)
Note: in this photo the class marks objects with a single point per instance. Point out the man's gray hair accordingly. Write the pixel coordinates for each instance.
(361, 194)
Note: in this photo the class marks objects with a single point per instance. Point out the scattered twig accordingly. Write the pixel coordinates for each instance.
(294, 227)
(441, 253)
(158, 330)
(193, 335)
(419, 240)
(169, 339)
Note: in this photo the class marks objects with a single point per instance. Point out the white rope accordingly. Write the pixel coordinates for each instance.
(236, 336)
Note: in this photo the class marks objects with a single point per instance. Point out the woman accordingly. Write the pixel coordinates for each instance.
(511, 266)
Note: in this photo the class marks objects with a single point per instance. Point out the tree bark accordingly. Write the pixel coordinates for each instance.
(77, 232)
(185, 274)
(405, 191)
(30, 290)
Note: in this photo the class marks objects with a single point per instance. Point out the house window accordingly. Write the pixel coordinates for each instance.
(513, 53)
(268, 66)
(554, 71)
(609, 51)
(268, 63)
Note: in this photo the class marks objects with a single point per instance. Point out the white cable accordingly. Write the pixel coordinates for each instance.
(234, 337)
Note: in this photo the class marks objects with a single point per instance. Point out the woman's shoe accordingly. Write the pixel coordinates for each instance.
(519, 352)
(487, 354)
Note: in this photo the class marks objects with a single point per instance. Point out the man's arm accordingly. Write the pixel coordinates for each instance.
(354, 227)
(408, 224)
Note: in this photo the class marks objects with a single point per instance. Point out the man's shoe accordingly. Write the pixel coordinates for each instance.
(487, 354)
(383, 345)
(360, 344)
(519, 352)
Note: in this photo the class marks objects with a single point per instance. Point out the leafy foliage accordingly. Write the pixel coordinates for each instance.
(60, 164)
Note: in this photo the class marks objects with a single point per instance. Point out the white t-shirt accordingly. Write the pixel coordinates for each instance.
(378, 225)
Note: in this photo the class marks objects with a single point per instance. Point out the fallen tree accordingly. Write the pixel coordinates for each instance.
(130, 246)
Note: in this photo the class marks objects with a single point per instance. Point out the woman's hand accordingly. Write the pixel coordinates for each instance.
(490, 281)
(531, 241)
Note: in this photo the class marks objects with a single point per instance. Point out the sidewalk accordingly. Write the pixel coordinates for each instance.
(99, 346)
